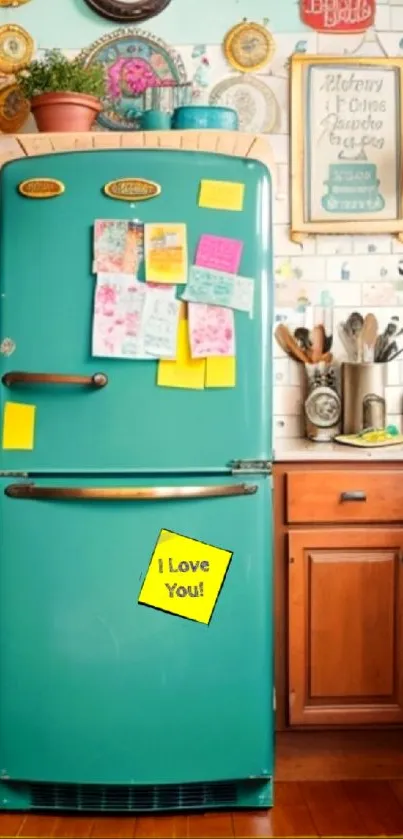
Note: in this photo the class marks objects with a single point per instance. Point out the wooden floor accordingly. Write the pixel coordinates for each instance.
(309, 808)
(328, 784)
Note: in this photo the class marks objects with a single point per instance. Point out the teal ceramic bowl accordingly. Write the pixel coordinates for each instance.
(205, 116)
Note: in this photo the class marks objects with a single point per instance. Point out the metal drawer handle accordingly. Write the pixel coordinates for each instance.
(357, 495)
(16, 377)
(31, 491)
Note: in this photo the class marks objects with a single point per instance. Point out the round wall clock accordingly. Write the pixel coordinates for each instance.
(16, 48)
(128, 11)
(248, 47)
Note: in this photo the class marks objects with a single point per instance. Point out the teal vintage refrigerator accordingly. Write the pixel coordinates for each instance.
(107, 703)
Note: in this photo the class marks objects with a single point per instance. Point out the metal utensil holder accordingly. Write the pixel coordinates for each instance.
(363, 390)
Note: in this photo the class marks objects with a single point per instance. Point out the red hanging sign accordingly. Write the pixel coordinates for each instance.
(337, 16)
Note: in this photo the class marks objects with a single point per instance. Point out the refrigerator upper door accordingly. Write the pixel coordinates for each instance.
(96, 688)
(47, 294)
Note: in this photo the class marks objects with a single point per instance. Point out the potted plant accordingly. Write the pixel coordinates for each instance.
(65, 95)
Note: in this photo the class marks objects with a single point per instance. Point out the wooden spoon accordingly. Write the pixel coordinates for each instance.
(368, 337)
(318, 343)
(289, 344)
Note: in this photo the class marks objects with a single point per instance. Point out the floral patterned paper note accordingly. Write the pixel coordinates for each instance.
(118, 246)
(211, 330)
(133, 320)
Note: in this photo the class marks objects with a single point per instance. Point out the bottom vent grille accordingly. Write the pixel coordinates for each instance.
(130, 798)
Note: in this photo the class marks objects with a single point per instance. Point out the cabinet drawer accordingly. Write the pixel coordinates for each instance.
(345, 495)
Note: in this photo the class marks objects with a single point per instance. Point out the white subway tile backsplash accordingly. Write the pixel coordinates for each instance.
(379, 294)
(338, 45)
(396, 18)
(281, 198)
(342, 294)
(287, 400)
(309, 267)
(281, 371)
(363, 269)
(393, 377)
(372, 244)
(286, 427)
(283, 246)
(334, 245)
(279, 144)
(382, 18)
(394, 400)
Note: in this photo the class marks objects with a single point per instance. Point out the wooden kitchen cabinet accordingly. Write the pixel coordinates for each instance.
(339, 594)
(345, 640)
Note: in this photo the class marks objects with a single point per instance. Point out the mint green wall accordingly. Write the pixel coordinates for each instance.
(70, 23)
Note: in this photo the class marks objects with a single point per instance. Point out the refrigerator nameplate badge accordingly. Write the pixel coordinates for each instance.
(132, 189)
(41, 188)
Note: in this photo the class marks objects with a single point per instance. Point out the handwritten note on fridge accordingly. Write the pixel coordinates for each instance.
(219, 253)
(133, 320)
(166, 253)
(352, 142)
(118, 246)
(219, 289)
(211, 330)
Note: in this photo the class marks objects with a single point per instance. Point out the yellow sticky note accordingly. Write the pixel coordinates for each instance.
(165, 249)
(221, 195)
(185, 576)
(18, 426)
(185, 371)
(221, 371)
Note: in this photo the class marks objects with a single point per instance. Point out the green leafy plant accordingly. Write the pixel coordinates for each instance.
(54, 73)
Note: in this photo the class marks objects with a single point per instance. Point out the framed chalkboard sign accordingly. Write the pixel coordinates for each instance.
(346, 145)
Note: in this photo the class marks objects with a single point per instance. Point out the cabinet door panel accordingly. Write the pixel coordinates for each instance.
(345, 627)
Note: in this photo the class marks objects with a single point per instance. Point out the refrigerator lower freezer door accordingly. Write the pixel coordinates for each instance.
(96, 689)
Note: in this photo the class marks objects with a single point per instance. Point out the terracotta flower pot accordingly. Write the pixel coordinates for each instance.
(65, 111)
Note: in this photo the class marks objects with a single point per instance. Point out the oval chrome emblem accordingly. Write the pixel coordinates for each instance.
(132, 189)
(41, 188)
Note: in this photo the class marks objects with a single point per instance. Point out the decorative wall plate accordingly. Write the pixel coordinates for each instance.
(248, 47)
(134, 61)
(16, 48)
(127, 11)
(14, 109)
(253, 100)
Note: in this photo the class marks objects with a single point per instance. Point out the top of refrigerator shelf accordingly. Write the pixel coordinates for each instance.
(66, 409)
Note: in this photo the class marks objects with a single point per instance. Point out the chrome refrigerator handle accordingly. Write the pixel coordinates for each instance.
(35, 492)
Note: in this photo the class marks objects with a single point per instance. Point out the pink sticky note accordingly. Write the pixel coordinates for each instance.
(211, 330)
(219, 253)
